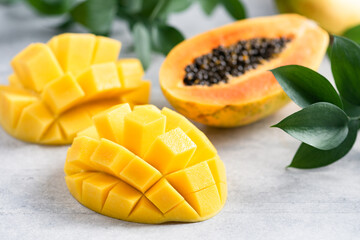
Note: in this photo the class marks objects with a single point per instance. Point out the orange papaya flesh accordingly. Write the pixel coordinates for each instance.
(256, 93)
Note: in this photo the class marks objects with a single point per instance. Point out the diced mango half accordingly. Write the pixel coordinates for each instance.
(73, 77)
(146, 177)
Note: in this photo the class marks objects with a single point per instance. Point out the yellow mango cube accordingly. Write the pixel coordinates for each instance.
(222, 189)
(95, 190)
(14, 81)
(164, 196)
(217, 169)
(182, 212)
(106, 50)
(191, 179)
(111, 157)
(205, 150)
(89, 132)
(62, 93)
(81, 151)
(176, 149)
(12, 104)
(75, 51)
(206, 202)
(130, 72)
(99, 79)
(176, 120)
(146, 212)
(74, 121)
(34, 121)
(110, 123)
(35, 66)
(140, 174)
(74, 183)
(139, 95)
(53, 135)
(121, 200)
(141, 128)
(147, 106)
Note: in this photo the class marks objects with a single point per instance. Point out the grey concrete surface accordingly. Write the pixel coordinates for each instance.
(266, 200)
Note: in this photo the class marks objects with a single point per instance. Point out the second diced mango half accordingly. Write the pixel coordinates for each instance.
(146, 165)
(57, 87)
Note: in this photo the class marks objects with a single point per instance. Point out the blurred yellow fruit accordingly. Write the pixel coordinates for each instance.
(335, 16)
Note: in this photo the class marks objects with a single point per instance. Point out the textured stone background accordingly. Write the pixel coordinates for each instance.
(266, 201)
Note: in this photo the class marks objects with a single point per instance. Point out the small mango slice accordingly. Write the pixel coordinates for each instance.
(72, 78)
(145, 177)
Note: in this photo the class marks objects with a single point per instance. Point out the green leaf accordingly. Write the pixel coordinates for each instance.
(345, 62)
(235, 8)
(353, 34)
(165, 37)
(52, 7)
(178, 5)
(321, 125)
(208, 5)
(142, 43)
(350, 109)
(305, 86)
(96, 15)
(309, 157)
(130, 6)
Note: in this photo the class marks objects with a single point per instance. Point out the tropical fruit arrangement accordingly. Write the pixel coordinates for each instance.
(221, 78)
(57, 87)
(147, 166)
(133, 161)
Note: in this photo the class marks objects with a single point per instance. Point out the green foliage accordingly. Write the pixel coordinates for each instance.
(353, 34)
(328, 123)
(146, 18)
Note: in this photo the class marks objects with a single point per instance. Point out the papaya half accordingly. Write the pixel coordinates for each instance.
(221, 78)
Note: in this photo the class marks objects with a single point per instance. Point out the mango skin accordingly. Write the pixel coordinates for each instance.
(336, 16)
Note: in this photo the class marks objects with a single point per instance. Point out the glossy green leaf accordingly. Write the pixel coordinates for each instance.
(209, 5)
(305, 86)
(309, 157)
(52, 7)
(345, 62)
(96, 15)
(235, 8)
(165, 37)
(353, 34)
(142, 43)
(321, 125)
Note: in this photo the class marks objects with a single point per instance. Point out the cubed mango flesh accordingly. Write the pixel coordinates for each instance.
(147, 177)
(73, 78)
